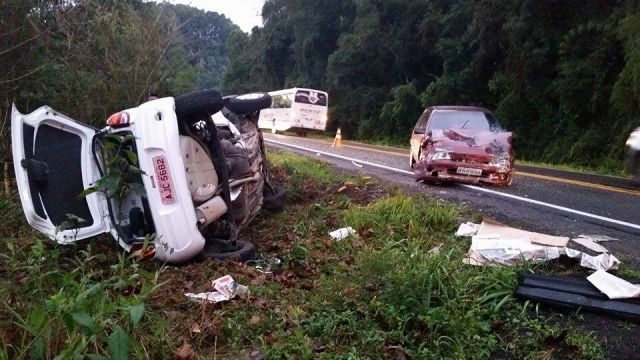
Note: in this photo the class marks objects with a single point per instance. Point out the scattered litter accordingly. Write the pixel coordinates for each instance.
(467, 229)
(226, 289)
(264, 266)
(613, 286)
(590, 244)
(598, 238)
(213, 296)
(493, 248)
(342, 233)
(225, 285)
(356, 164)
(505, 232)
(495, 243)
(601, 262)
(318, 154)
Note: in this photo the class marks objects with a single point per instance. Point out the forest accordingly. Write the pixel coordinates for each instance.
(562, 75)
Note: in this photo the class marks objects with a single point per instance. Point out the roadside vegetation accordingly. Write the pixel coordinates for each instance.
(397, 289)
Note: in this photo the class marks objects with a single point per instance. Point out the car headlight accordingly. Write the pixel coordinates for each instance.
(441, 155)
(501, 161)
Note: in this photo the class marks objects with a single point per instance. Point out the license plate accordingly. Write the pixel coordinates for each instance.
(163, 179)
(469, 171)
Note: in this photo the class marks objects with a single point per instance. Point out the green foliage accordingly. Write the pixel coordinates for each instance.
(12, 217)
(122, 176)
(401, 218)
(74, 306)
(397, 117)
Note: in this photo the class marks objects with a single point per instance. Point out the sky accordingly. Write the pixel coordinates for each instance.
(244, 13)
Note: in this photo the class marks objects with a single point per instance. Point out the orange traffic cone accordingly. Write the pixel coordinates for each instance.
(337, 142)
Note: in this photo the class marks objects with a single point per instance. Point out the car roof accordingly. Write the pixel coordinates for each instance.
(458, 107)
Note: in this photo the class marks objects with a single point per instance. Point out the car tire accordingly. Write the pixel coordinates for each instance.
(198, 103)
(274, 129)
(221, 249)
(274, 197)
(509, 180)
(248, 103)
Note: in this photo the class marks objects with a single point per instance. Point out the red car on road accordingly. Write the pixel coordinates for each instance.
(464, 144)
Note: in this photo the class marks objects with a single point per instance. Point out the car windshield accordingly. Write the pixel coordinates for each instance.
(463, 119)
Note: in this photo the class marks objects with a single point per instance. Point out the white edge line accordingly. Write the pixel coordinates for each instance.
(536, 202)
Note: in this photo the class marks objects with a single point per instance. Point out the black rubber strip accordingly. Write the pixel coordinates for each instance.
(574, 294)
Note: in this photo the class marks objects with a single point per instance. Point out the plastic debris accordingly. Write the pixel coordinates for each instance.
(226, 289)
(467, 229)
(342, 233)
(598, 238)
(265, 266)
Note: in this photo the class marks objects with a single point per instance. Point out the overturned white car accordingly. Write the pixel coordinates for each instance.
(163, 178)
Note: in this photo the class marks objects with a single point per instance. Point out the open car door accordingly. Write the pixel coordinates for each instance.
(53, 162)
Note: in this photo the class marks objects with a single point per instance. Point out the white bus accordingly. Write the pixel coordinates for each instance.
(297, 109)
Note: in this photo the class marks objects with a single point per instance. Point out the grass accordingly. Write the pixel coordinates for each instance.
(382, 293)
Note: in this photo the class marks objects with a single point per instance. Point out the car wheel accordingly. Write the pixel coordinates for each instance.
(198, 103)
(274, 129)
(509, 180)
(274, 197)
(248, 103)
(221, 249)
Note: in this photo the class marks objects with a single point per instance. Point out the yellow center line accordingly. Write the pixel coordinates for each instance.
(579, 183)
(361, 147)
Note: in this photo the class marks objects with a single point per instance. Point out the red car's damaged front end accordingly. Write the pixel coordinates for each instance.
(466, 156)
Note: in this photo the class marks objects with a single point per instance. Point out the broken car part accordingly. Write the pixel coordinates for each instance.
(574, 294)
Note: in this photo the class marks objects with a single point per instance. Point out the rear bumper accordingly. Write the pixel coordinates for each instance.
(177, 237)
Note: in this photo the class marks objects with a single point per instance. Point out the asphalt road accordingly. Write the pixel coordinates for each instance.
(543, 200)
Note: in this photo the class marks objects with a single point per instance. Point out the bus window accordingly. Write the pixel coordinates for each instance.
(281, 101)
(311, 97)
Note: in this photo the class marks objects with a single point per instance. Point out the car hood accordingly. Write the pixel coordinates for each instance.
(472, 142)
